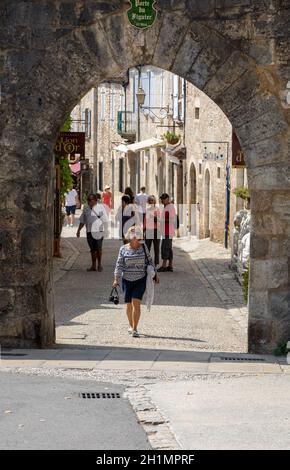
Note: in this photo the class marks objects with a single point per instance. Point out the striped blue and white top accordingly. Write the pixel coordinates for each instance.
(132, 263)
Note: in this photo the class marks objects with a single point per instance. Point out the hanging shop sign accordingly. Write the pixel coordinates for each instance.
(71, 143)
(238, 160)
(212, 156)
(142, 13)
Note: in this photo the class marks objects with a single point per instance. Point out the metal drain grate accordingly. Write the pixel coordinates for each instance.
(99, 395)
(5, 354)
(245, 359)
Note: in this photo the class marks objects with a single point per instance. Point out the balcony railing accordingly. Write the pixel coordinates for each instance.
(127, 125)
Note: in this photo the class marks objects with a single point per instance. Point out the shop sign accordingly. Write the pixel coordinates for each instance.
(142, 13)
(238, 160)
(71, 143)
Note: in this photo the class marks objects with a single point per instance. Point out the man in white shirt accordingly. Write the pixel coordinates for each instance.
(71, 198)
(95, 218)
(141, 201)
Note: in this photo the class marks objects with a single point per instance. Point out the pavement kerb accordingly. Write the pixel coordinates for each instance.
(199, 362)
(70, 261)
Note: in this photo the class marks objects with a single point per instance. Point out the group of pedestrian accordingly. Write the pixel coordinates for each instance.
(158, 225)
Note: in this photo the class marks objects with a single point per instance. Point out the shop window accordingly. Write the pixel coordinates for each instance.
(121, 175)
(101, 170)
(112, 108)
(88, 123)
(103, 105)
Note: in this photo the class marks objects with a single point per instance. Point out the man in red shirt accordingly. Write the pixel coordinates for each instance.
(107, 198)
(168, 226)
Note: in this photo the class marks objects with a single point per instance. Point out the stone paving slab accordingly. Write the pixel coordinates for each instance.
(258, 368)
(69, 364)
(183, 356)
(125, 365)
(199, 367)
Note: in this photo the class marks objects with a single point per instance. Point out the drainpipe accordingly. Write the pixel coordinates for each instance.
(228, 198)
(96, 126)
(228, 195)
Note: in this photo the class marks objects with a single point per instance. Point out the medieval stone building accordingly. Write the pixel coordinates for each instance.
(193, 172)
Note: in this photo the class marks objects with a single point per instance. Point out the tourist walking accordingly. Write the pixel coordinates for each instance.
(107, 198)
(168, 226)
(129, 192)
(127, 216)
(152, 228)
(71, 200)
(141, 201)
(131, 270)
(95, 218)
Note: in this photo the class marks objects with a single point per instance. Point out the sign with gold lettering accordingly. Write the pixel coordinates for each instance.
(238, 160)
(142, 13)
(70, 143)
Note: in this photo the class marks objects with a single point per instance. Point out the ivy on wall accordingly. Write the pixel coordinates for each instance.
(66, 180)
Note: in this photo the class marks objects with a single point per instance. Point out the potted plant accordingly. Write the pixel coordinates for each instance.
(172, 138)
(243, 193)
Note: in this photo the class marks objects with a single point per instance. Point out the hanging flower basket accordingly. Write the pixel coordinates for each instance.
(172, 140)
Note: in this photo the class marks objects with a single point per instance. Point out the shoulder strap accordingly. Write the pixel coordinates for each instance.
(96, 213)
(145, 252)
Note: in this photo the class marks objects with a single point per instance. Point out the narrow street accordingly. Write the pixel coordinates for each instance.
(197, 307)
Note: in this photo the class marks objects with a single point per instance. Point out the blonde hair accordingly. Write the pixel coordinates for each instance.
(137, 230)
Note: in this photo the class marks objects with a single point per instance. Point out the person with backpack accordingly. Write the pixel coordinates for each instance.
(95, 218)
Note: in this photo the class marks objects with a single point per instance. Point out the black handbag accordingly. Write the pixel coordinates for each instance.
(114, 296)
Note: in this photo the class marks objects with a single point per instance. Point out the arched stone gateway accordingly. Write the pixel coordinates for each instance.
(54, 51)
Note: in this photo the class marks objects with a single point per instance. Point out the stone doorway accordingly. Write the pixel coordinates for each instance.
(206, 204)
(223, 50)
(192, 201)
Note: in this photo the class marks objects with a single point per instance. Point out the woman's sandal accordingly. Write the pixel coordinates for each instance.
(161, 270)
(91, 269)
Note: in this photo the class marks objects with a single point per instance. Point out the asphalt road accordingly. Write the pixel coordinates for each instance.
(48, 413)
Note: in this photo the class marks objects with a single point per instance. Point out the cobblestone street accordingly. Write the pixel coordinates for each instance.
(197, 307)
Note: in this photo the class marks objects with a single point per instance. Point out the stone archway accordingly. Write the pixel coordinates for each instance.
(52, 53)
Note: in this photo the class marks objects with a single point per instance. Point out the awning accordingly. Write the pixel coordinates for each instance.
(176, 151)
(146, 144)
(121, 148)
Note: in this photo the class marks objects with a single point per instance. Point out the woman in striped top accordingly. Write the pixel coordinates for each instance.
(131, 268)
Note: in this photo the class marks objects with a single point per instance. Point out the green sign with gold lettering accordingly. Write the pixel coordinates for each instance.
(142, 13)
